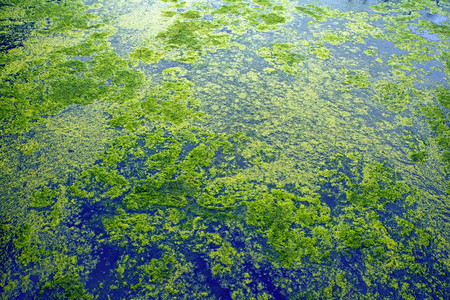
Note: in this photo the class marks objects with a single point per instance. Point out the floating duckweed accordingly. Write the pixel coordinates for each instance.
(395, 96)
(44, 198)
(272, 18)
(321, 52)
(419, 157)
(168, 14)
(280, 55)
(29, 147)
(264, 3)
(147, 55)
(191, 14)
(334, 38)
(443, 96)
(232, 9)
(318, 13)
(358, 79)
(443, 141)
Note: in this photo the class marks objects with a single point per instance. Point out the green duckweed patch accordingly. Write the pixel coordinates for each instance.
(418, 156)
(394, 96)
(272, 19)
(147, 55)
(282, 55)
(191, 14)
(443, 96)
(358, 79)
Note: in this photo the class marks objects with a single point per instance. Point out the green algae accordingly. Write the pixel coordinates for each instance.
(44, 198)
(67, 82)
(272, 19)
(334, 38)
(181, 34)
(443, 96)
(191, 14)
(394, 96)
(264, 3)
(358, 79)
(321, 52)
(315, 178)
(313, 11)
(147, 55)
(280, 55)
(168, 14)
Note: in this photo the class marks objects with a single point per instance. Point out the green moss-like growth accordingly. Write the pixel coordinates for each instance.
(321, 52)
(168, 13)
(272, 19)
(57, 80)
(73, 89)
(442, 30)
(285, 221)
(183, 34)
(232, 9)
(191, 14)
(44, 198)
(432, 112)
(171, 101)
(65, 287)
(358, 79)
(264, 3)
(445, 158)
(443, 96)
(418, 157)
(282, 56)
(289, 58)
(29, 147)
(350, 238)
(196, 206)
(395, 96)
(334, 38)
(443, 141)
(315, 12)
(141, 201)
(147, 55)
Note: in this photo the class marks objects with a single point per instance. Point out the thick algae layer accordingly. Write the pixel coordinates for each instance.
(224, 150)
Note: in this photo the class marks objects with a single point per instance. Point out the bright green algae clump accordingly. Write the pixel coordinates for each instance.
(243, 151)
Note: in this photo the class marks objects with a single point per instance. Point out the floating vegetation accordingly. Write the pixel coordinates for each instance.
(224, 150)
(393, 95)
(272, 18)
(280, 55)
(147, 55)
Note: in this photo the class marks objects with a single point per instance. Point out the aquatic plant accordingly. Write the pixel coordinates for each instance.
(236, 149)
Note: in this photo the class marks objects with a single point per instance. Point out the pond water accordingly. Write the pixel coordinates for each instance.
(224, 149)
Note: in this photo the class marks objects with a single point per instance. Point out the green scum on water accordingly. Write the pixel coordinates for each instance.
(239, 149)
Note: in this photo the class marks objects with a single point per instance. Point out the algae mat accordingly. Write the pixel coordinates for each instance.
(224, 149)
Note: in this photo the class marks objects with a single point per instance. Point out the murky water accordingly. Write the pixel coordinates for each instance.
(224, 150)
